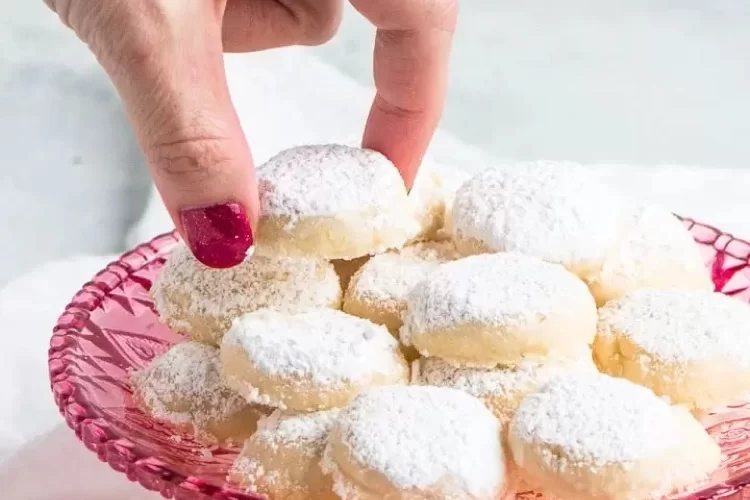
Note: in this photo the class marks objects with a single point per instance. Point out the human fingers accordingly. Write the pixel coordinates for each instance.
(412, 51)
(165, 60)
(252, 25)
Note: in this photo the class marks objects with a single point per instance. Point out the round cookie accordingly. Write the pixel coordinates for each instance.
(428, 203)
(184, 387)
(416, 443)
(450, 180)
(594, 437)
(502, 388)
(692, 346)
(500, 308)
(334, 202)
(553, 211)
(309, 361)
(282, 459)
(202, 302)
(655, 250)
(379, 289)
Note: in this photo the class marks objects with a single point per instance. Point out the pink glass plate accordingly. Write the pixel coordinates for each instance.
(111, 328)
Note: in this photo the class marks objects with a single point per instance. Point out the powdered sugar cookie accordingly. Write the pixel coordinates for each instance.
(346, 269)
(655, 250)
(201, 302)
(378, 290)
(282, 459)
(450, 180)
(334, 202)
(428, 203)
(502, 388)
(184, 387)
(553, 211)
(594, 437)
(692, 346)
(383, 446)
(308, 361)
(494, 309)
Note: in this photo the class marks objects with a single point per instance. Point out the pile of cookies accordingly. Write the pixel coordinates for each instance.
(521, 329)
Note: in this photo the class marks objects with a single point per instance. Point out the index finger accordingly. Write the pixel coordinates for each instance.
(412, 51)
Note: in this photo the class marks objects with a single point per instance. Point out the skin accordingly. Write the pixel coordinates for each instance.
(164, 58)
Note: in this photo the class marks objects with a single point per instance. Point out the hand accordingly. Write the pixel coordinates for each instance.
(165, 60)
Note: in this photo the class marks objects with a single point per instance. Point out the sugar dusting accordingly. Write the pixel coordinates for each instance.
(296, 428)
(185, 288)
(497, 289)
(427, 200)
(325, 346)
(306, 433)
(327, 180)
(654, 239)
(680, 326)
(388, 278)
(554, 211)
(450, 180)
(420, 437)
(185, 386)
(501, 381)
(596, 419)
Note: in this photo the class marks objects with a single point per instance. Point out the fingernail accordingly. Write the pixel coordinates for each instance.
(219, 236)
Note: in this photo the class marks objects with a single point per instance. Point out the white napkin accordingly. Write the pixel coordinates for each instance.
(29, 308)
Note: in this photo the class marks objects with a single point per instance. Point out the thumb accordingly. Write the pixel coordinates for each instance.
(166, 61)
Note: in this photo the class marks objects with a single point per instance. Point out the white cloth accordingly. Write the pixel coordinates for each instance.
(71, 176)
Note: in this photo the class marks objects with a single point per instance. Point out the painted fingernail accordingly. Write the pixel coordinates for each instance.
(219, 236)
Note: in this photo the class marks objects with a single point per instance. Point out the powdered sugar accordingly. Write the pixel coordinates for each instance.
(502, 381)
(450, 180)
(655, 243)
(595, 419)
(496, 289)
(388, 278)
(282, 455)
(297, 429)
(681, 325)
(424, 438)
(185, 386)
(187, 290)
(327, 347)
(427, 202)
(328, 180)
(554, 211)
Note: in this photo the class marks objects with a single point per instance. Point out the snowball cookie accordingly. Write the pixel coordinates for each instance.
(428, 203)
(308, 361)
(378, 290)
(691, 346)
(594, 437)
(502, 388)
(500, 308)
(450, 180)
(201, 302)
(334, 202)
(184, 387)
(553, 211)
(282, 459)
(346, 269)
(416, 443)
(655, 250)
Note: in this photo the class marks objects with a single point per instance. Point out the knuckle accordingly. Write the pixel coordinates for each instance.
(410, 14)
(443, 13)
(192, 159)
(319, 21)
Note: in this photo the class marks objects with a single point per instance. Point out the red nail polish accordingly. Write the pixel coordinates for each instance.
(219, 236)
